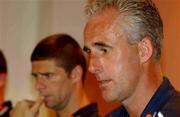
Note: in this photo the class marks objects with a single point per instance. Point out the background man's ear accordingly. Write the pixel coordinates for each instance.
(76, 73)
(145, 49)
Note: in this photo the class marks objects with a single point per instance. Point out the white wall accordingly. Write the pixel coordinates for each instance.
(18, 35)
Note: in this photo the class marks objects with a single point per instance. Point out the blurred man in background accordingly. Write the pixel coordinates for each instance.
(5, 106)
(59, 68)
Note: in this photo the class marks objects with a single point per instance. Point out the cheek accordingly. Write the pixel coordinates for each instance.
(112, 64)
(63, 87)
(124, 64)
(128, 71)
(56, 86)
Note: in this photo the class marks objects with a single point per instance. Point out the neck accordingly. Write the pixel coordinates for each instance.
(149, 82)
(78, 100)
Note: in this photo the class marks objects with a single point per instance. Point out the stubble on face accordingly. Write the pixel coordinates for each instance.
(53, 83)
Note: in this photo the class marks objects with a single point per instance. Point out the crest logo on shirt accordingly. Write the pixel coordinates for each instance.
(156, 114)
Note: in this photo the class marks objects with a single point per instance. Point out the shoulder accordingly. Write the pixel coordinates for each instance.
(118, 112)
(172, 107)
(90, 110)
(5, 109)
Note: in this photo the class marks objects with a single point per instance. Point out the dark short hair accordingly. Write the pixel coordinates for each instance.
(63, 49)
(3, 64)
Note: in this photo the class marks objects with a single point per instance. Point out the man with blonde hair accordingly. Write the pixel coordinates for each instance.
(123, 40)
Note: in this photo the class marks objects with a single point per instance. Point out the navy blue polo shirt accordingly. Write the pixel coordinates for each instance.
(90, 110)
(164, 103)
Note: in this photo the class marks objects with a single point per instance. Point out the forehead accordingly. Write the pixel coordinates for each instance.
(44, 62)
(44, 65)
(103, 25)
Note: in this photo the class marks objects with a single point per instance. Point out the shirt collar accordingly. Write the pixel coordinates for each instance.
(91, 108)
(164, 93)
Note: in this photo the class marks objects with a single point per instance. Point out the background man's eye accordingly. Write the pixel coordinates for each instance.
(34, 76)
(87, 50)
(49, 75)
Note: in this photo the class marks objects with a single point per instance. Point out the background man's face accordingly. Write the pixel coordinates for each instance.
(53, 83)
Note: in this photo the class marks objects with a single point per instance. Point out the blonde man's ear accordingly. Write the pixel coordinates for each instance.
(145, 48)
